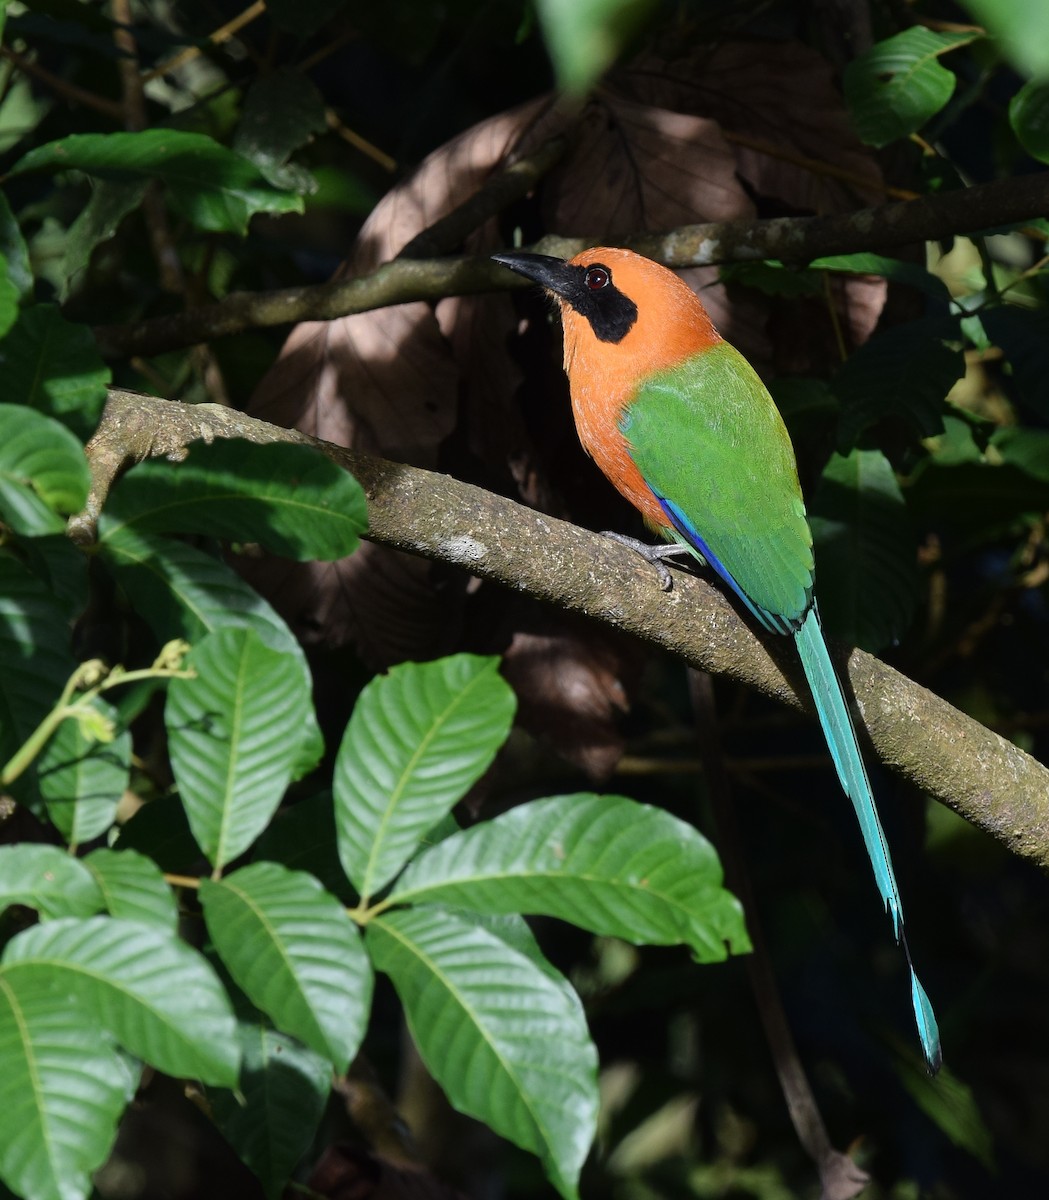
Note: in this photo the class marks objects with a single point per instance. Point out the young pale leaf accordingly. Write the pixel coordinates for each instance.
(182, 592)
(1021, 29)
(290, 498)
(508, 1044)
(82, 779)
(34, 664)
(583, 37)
(235, 733)
(62, 1090)
(280, 1100)
(212, 187)
(44, 475)
(605, 863)
(53, 365)
(153, 994)
(49, 880)
(418, 738)
(133, 887)
(295, 953)
(895, 87)
(866, 559)
(905, 371)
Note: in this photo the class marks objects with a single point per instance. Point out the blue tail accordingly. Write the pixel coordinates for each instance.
(841, 739)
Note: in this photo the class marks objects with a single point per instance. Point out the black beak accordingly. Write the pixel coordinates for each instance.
(552, 273)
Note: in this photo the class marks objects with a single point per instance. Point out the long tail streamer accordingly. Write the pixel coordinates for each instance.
(841, 738)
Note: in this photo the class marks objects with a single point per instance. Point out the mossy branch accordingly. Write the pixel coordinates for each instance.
(972, 770)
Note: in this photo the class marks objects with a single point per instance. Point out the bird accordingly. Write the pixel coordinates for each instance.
(683, 427)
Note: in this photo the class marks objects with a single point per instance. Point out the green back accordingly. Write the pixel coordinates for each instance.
(707, 437)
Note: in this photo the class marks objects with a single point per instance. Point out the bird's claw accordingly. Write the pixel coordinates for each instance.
(653, 555)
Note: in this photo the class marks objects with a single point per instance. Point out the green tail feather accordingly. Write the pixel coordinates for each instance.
(845, 751)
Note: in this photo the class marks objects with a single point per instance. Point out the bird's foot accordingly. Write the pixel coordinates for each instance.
(653, 555)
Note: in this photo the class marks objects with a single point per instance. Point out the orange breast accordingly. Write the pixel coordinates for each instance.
(604, 377)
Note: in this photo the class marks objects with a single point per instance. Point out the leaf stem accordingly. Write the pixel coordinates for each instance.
(93, 678)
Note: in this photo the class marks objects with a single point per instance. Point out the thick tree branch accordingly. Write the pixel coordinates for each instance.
(792, 239)
(980, 775)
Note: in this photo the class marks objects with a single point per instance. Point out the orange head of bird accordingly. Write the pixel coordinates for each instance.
(624, 316)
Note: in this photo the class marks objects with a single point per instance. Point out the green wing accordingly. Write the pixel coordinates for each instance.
(712, 446)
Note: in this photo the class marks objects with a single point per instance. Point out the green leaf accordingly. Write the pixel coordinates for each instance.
(905, 371)
(418, 738)
(292, 499)
(234, 735)
(895, 87)
(605, 863)
(1023, 336)
(158, 998)
(82, 779)
(948, 1102)
(49, 880)
(282, 111)
(62, 568)
(773, 278)
(133, 887)
(271, 1120)
(98, 222)
(1027, 449)
(1021, 29)
(507, 1044)
(893, 269)
(53, 365)
(181, 591)
(293, 950)
(62, 1091)
(584, 37)
(866, 557)
(8, 299)
(1029, 117)
(34, 662)
(14, 252)
(212, 187)
(43, 472)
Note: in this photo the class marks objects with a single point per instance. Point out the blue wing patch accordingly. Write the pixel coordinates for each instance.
(773, 622)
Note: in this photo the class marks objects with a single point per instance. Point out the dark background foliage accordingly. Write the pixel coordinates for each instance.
(712, 111)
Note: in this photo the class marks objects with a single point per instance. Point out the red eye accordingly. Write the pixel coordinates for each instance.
(597, 278)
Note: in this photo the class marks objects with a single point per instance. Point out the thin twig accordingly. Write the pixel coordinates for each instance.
(222, 34)
(840, 1177)
(362, 144)
(62, 87)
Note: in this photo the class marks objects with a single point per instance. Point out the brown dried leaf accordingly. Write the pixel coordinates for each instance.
(383, 381)
(778, 104)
